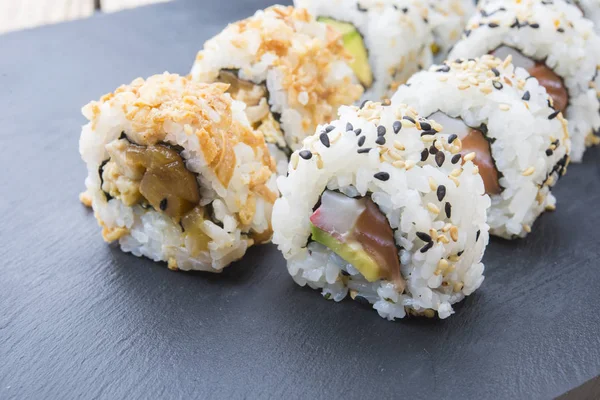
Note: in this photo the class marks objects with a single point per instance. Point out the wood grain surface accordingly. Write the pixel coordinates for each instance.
(81, 319)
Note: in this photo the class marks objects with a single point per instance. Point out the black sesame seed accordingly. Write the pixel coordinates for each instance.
(443, 68)
(364, 103)
(424, 155)
(381, 130)
(358, 131)
(549, 152)
(360, 8)
(324, 139)
(382, 176)
(428, 246)
(477, 236)
(433, 149)
(329, 128)
(535, 25)
(561, 30)
(404, 10)
(515, 24)
(448, 209)
(452, 138)
(306, 154)
(440, 157)
(496, 72)
(455, 158)
(425, 126)
(460, 253)
(163, 204)
(361, 141)
(497, 85)
(397, 126)
(363, 151)
(429, 132)
(467, 32)
(424, 237)
(441, 192)
(493, 25)
(409, 119)
(349, 127)
(380, 140)
(526, 96)
(554, 114)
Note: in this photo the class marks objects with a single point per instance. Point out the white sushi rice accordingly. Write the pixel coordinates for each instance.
(591, 10)
(552, 31)
(520, 132)
(301, 62)
(397, 35)
(448, 19)
(168, 108)
(438, 273)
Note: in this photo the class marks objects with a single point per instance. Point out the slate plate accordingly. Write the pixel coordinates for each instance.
(79, 318)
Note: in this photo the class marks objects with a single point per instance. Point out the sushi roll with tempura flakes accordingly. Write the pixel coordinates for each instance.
(375, 206)
(555, 44)
(291, 72)
(176, 173)
(502, 120)
(389, 39)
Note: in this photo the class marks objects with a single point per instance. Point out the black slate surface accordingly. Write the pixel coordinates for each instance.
(80, 319)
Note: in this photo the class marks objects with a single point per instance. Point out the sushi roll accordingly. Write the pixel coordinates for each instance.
(448, 19)
(291, 72)
(555, 44)
(176, 174)
(376, 206)
(503, 119)
(389, 39)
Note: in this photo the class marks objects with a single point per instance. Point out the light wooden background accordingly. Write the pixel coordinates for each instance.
(21, 14)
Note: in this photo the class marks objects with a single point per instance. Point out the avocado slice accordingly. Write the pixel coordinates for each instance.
(351, 252)
(355, 46)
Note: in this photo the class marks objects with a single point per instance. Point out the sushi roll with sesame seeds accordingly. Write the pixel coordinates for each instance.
(389, 39)
(367, 212)
(502, 121)
(448, 19)
(291, 72)
(555, 44)
(176, 174)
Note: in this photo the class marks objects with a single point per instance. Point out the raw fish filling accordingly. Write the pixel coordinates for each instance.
(549, 79)
(357, 231)
(473, 141)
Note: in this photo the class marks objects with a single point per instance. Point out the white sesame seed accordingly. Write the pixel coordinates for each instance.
(528, 171)
(433, 208)
(469, 157)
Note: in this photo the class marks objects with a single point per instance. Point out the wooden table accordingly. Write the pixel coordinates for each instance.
(21, 14)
